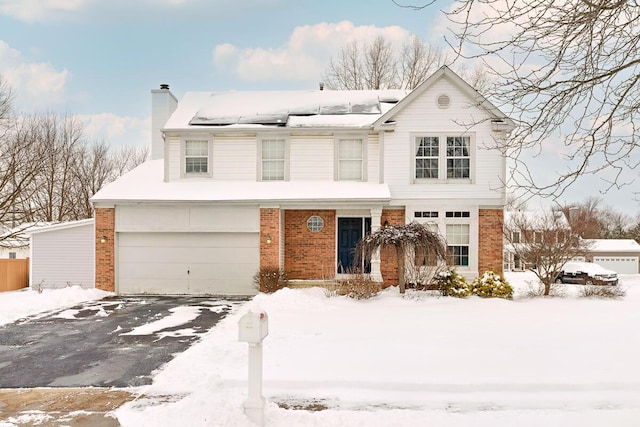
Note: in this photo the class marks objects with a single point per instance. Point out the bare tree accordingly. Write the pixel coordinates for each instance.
(566, 71)
(60, 139)
(377, 65)
(409, 239)
(543, 243)
(596, 221)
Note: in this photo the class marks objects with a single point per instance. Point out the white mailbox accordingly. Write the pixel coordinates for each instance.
(254, 327)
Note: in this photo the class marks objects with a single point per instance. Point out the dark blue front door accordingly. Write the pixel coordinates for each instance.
(350, 232)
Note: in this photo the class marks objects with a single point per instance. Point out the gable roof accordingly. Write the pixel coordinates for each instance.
(466, 88)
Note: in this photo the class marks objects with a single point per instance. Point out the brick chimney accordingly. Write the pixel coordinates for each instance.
(163, 104)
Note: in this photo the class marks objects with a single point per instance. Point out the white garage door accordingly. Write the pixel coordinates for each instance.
(187, 263)
(621, 265)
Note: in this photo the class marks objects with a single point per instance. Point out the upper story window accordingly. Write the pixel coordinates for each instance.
(273, 159)
(350, 159)
(427, 157)
(443, 157)
(196, 157)
(458, 157)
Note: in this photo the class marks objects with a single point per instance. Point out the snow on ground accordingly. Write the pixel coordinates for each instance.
(400, 361)
(414, 361)
(26, 302)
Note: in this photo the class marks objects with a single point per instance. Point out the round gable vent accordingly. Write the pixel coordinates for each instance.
(443, 101)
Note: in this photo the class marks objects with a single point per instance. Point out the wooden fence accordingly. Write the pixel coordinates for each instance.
(14, 274)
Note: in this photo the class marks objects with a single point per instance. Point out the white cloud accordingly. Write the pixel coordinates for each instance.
(36, 85)
(39, 10)
(306, 54)
(117, 130)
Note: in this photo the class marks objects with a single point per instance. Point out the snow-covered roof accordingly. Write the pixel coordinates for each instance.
(18, 237)
(146, 183)
(63, 225)
(292, 109)
(613, 245)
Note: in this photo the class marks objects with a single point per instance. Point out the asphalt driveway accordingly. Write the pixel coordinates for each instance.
(113, 342)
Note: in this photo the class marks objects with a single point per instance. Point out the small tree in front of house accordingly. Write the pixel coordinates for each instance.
(544, 242)
(408, 241)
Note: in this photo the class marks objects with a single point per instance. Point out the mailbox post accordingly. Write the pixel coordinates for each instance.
(253, 328)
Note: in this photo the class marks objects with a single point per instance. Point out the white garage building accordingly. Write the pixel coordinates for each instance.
(63, 255)
(619, 255)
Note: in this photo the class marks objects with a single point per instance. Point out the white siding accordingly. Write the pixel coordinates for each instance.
(234, 158)
(424, 116)
(176, 218)
(311, 158)
(62, 257)
(373, 159)
(174, 161)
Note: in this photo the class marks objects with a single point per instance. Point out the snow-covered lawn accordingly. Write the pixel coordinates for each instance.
(394, 361)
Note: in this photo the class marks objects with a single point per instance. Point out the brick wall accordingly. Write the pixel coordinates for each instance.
(105, 269)
(269, 226)
(490, 240)
(388, 256)
(309, 255)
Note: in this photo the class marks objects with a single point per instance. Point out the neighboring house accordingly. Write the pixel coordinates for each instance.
(523, 228)
(63, 255)
(14, 242)
(240, 181)
(619, 255)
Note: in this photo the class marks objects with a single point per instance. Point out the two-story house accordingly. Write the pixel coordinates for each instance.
(293, 179)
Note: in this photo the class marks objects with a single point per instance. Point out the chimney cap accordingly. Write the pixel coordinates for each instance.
(164, 86)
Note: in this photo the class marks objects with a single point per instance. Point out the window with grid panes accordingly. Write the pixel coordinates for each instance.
(458, 244)
(350, 160)
(458, 157)
(273, 159)
(196, 156)
(427, 157)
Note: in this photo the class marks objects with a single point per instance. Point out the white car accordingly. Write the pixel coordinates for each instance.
(586, 273)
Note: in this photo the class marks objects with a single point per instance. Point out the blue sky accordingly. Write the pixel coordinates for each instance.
(99, 59)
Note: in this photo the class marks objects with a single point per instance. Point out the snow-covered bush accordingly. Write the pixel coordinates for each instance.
(452, 284)
(491, 285)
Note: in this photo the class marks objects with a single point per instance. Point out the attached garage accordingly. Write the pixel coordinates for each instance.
(186, 249)
(63, 255)
(200, 263)
(621, 265)
(619, 255)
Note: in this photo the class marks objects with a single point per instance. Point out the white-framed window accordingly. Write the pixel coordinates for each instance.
(458, 157)
(196, 157)
(458, 244)
(273, 159)
(350, 159)
(442, 157)
(427, 157)
(515, 237)
(12, 255)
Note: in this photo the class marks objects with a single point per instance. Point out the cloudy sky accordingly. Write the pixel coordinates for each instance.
(99, 59)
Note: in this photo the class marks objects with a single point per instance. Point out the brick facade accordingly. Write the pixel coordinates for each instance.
(309, 255)
(105, 268)
(269, 238)
(490, 240)
(388, 256)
